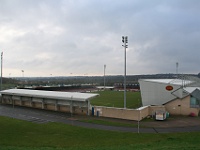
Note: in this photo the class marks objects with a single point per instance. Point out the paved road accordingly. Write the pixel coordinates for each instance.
(44, 116)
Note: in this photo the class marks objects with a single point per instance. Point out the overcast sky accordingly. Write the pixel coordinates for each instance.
(77, 37)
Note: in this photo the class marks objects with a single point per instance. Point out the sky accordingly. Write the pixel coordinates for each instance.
(78, 37)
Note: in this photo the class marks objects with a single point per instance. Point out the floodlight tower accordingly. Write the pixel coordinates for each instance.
(104, 77)
(23, 81)
(176, 68)
(125, 41)
(23, 73)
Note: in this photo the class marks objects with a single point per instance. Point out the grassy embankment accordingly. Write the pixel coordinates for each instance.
(22, 135)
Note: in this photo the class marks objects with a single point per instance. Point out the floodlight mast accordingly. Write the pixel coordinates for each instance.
(104, 77)
(125, 41)
(177, 68)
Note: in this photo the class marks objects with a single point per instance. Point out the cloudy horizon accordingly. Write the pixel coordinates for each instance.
(70, 38)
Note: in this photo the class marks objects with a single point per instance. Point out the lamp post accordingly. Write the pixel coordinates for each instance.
(125, 41)
(139, 116)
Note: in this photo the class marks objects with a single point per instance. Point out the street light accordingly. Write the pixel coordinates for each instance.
(125, 41)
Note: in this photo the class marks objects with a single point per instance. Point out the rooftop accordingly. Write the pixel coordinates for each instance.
(75, 96)
(170, 81)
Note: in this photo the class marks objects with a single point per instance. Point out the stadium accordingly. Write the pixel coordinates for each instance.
(178, 96)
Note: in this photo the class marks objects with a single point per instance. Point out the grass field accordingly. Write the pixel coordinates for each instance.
(116, 99)
(8, 86)
(22, 135)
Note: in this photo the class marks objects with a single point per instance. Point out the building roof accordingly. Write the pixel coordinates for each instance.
(169, 81)
(74, 96)
(190, 89)
(196, 93)
(155, 92)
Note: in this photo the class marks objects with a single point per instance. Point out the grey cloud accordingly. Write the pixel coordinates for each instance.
(67, 36)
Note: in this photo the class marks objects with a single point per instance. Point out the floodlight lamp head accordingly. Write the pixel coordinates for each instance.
(123, 39)
(126, 39)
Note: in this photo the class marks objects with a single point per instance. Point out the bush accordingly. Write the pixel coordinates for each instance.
(192, 114)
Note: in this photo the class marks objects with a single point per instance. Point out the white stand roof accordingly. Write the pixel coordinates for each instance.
(72, 96)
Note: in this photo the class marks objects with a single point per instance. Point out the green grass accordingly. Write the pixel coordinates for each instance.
(8, 86)
(22, 135)
(116, 99)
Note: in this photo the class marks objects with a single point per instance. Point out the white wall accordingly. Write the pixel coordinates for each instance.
(155, 93)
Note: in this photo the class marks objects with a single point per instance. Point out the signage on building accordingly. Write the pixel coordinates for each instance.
(169, 88)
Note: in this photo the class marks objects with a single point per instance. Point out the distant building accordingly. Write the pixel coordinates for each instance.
(129, 86)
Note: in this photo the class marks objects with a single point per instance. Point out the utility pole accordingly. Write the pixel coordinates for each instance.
(125, 41)
(1, 69)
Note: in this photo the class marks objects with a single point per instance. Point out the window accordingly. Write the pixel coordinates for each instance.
(194, 103)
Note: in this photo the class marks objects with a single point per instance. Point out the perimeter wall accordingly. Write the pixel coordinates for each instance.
(128, 114)
(175, 107)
